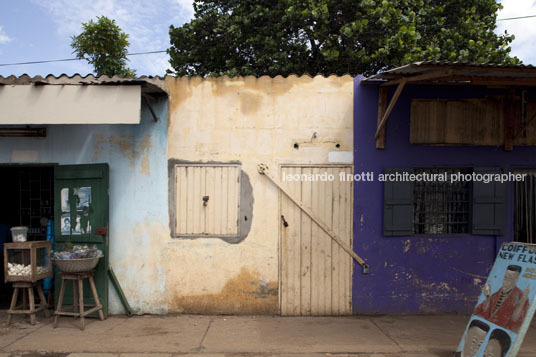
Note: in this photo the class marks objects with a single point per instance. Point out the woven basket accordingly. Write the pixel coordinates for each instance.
(76, 265)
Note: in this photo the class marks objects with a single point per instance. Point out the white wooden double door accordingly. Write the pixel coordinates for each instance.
(315, 272)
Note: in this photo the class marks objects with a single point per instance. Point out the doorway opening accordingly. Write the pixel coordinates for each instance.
(27, 193)
(525, 207)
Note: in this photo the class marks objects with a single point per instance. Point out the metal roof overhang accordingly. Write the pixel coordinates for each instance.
(457, 73)
(508, 76)
(36, 100)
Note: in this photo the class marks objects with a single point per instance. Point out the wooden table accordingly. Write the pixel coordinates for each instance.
(78, 297)
(28, 296)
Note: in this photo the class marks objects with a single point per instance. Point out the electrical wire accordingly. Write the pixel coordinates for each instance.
(38, 62)
(517, 18)
(72, 59)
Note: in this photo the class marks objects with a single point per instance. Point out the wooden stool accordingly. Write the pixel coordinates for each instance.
(78, 297)
(27, 297)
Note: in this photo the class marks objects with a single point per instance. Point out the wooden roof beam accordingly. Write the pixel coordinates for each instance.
(421, 77)
(383, 100)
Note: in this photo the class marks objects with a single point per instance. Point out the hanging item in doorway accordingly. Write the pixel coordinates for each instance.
(506, 305)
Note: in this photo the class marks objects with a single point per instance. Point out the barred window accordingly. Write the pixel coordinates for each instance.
(441, 207)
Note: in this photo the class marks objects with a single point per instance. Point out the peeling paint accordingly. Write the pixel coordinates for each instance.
(140, 264)
(423, 249)
(469, 274)
(407, 245)
(180, 89)
(249, 103)
(126, 147)
(98, 147)
(146, 147)
(245, 294)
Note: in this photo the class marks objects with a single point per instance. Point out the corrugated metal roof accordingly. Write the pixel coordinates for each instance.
(461, 72)
(467, 64)
(149, 84)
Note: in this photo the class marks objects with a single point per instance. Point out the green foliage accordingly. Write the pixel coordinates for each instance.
(257, 37)
(103, 45)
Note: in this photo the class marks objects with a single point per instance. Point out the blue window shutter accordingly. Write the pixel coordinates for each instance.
(398, 205)
(489, 205)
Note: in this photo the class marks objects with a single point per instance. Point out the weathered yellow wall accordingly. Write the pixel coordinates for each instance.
(252, 120)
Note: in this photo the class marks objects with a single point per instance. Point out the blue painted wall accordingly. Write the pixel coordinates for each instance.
(418, 274)
(137, 157)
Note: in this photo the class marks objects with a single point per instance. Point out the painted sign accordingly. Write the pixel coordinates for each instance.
(505, 307)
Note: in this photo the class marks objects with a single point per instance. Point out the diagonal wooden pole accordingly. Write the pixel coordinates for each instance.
(263, 170)
(390, 106)
(120, 292)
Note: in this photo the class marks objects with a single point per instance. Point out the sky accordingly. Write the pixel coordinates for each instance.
(36, 30)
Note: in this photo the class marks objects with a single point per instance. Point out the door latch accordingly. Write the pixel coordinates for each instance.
(205, 200)
(285, 223)
(366, 269)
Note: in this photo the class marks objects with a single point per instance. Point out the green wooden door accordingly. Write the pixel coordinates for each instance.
(81, 217)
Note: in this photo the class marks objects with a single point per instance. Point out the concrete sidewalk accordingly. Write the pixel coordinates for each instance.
(193, 335)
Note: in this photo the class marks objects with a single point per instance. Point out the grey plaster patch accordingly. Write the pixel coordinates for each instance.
(246, 207)
(245, 217)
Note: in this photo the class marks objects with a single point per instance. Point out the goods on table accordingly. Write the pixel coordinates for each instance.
(78, 259)
(79, 252)
(24, 270)
(27, 261)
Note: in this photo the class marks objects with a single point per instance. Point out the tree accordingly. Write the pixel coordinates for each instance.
(257, 37)
(104, 45)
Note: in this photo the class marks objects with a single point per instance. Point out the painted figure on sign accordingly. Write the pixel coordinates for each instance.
(508, 306)
(476, 334)
(498, 344)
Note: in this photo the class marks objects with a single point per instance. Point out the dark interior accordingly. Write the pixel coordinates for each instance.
(525, 208)
(27, 200)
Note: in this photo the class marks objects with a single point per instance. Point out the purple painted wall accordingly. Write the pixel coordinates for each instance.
(418, 274)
